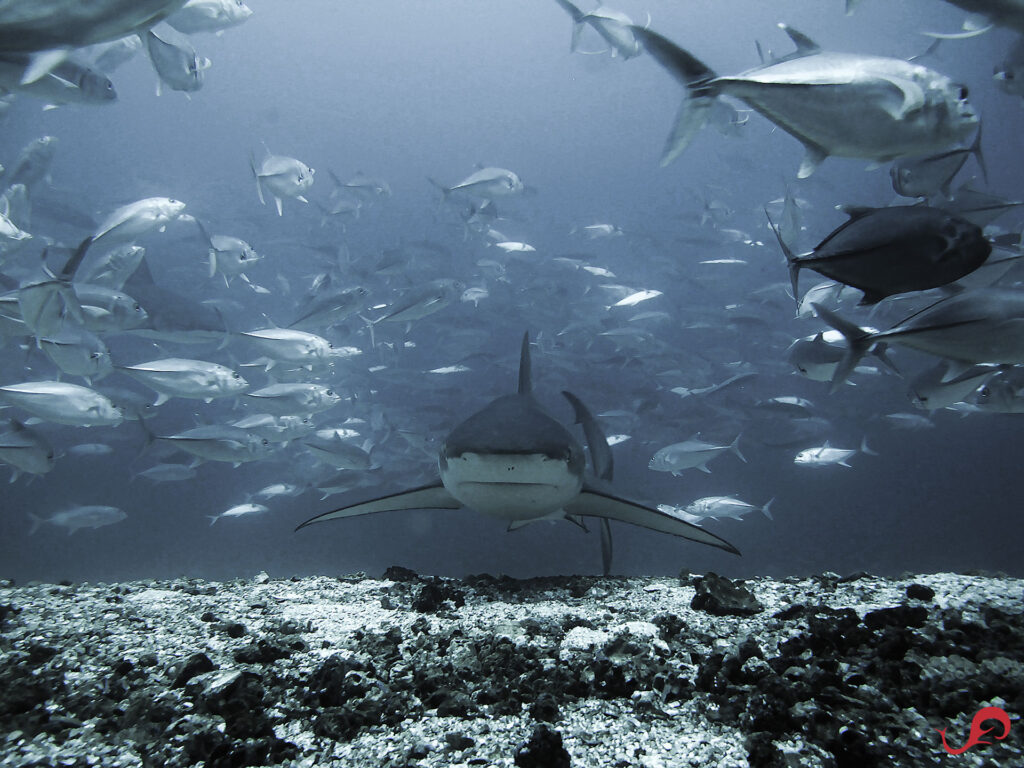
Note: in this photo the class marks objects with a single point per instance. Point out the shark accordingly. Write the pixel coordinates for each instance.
(514, 461)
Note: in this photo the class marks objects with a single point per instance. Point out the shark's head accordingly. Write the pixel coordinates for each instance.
(512, 460)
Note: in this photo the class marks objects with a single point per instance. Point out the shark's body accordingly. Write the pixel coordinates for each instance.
(514, 461)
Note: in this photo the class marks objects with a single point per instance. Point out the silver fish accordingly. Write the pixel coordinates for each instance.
(613, 26)
(294, 398)
(180, 377)
(221, 443)
(78, 517)
(932, 175)
(849, 105)
(689, 454)
(176, 62)
(486, 183)
(25, 450)
(283, 177)
(209, 16)
(63, 403)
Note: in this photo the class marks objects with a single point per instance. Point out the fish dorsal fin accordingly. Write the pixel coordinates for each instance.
(804, 45)
(525, 387)
(68, 273)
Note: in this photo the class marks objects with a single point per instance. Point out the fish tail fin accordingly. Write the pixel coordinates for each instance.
(213, 518)
(858, 342)
(865, 449)
(525, 373)
(976, 151)
(256, 175)
(791, 262)
(36, 522)
(734, 446)
(766, 510)
(698, 80)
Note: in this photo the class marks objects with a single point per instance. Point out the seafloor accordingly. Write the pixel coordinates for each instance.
(583, 671)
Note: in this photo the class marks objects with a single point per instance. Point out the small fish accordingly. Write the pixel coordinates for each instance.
(168, 473)
(717, 507)
(294, 398)
(221, 443)
(78, 352)
(287, 345)
(78, 517)
(130, 222)
(826, 456)
(176, 62)
(690, 453)
(25, 450)
(240, 510)
(180, 377)
(486, 183)
(231, 256)
(283, 177)
(511, 246)
(615, 27)
(276, 429)
(636, 297)
(274, 490)
(63, 403)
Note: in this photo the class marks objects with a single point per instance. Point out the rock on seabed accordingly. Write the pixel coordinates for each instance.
(582, 671)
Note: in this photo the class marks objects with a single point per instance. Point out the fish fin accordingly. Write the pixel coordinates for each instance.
(704, 468)
(912, 98)
(813, 157)
(791, 259)
(975, 149)
(36, 522)
(280, 209)
(864, 447)
(525, 386)
(734, 446)
(606, 546)
(804, 45)
(970, 29)
(595, 503)
(41, 64)
(213, 262)
(256, 175)
(433, 496)
(695, 76)
(857, 339)
(302, 199)
(161, 398)
(766, 510)
(213, 518)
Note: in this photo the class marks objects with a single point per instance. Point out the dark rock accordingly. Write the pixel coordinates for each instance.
(261, 652)
(196, 664)
(458, 741)
(920, 592)
(720, 597)
(899, 616)
(398, 573)
(433, 595)
(233, 629)
(545, 708)
(209, 617)
(762, 753)
(543, 750)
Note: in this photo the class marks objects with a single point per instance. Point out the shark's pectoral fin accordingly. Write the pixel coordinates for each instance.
(432, 496)
(599, 504)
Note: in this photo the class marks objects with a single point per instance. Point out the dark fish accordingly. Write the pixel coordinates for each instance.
(885, 251)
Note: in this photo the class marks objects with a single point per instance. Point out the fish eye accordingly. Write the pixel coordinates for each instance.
(330, 392)
(963, 92)
(138, 307)
(235, 375)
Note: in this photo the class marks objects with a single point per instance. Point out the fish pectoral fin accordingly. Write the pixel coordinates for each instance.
(596, 503)
(433, 496)
(813, 157)
(911, 98)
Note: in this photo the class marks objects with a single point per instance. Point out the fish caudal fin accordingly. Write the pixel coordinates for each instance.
(698, 80)
(858, 342)
(599, 504)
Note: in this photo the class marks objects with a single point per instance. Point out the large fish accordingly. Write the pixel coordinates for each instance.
(885, 251)
(39, 25)
(282, 176)
(513, 461)
(980, 326)
(849, 105)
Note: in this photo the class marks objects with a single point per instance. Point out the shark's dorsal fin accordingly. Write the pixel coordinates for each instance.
(524, 366)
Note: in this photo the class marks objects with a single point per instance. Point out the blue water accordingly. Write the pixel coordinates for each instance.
(406, 90)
